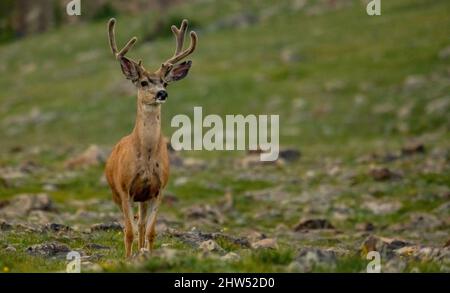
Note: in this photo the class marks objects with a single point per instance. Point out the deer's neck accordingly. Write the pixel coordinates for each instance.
(147, 130)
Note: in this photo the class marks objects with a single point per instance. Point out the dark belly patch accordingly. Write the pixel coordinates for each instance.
(144, 188)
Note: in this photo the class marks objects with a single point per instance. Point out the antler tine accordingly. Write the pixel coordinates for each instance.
(186, 52)
(112, 40)
(180, 35)
(112, 35)
(127, 47)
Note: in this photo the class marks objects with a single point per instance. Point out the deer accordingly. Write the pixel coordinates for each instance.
(137, 169)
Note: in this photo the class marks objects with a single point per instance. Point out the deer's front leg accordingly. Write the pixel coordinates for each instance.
(128, 225)
(141, 223)
(150, 232)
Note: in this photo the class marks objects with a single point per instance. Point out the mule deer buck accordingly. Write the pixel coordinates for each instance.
(138, 167)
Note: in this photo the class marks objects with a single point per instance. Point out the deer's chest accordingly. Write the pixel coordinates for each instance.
(146, 184)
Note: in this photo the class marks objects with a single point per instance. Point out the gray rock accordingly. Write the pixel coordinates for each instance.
(96, 246)
(112, 226)
(23, 204)
(309, 258)
(49, 249)
(54, 227)
(313, 224)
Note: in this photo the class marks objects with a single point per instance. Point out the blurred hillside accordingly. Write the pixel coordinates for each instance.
(329, 70)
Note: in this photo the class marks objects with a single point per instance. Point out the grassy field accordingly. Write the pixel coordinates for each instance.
(364, 99)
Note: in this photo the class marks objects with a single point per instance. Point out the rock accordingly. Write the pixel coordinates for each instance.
(112, 226)
(423, 221)
(92, 156)
(194, 164)
(49, 249)
(414, 82)
(10, 248)
(383, 207)
(4, 225)
(383, 174)
(231, 257)
(195, 238)
(35, 116)
(367, 227)
(23, 204)
(167, 254)
(413, 148)
(438, 106)
(87, 266)
(309, 258)
(334, 85)
(96, 246)
(269, 243)
(254, 236)
(210, 246)
(205, 211)
(289, 155)
(54, 227)
(444, 53)
(289, 56)
(447, 244)
(385, 246)
(313, 224)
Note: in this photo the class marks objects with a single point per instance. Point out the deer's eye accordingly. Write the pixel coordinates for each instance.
(165, 84)
(144, 83)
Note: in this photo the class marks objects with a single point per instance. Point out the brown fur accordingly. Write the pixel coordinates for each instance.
(138, 168)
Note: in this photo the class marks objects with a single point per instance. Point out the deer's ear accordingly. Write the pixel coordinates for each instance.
(179, 71)
(129, 69)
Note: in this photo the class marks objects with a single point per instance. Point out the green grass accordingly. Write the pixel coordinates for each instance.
(70, 75)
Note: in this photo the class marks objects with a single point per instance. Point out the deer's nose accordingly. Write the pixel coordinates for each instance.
(161, 95)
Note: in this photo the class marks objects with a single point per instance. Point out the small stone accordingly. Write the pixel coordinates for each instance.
(255, 236)
(90, 267)
(367, 227)
(383, 207)
(10, 248)
(92, 156)
(313, 224)
(289, 155)
(385, 246)
(414, 82)
(269, 243)
(383, 174)
(48, 249)
(57, 227)
(96, 246)
(112, 226)
(210, 246)
(413, 148)
(444, 53)
(23, 204)
(231, 256)
(205, 211)
(5, 226)
(289, 56)
(308, 258)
